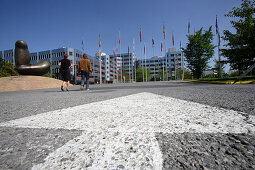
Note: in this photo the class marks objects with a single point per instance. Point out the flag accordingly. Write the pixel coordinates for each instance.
(140, 34)
(99, 40)
(173, 38)
(133, 44)
(189, 27)
(152, 41)
(161, 47)
(116, 46)
(144, 49)
(113, 52)
(164, 32)
(82, 45)
(119, 37)
(128, 50)
(217, 30)
(216, 25)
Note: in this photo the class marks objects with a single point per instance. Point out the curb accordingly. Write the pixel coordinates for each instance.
(223, 82)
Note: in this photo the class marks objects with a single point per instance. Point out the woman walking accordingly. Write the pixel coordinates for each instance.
(65, 64)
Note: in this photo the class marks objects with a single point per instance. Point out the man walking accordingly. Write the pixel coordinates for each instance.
(84, 67)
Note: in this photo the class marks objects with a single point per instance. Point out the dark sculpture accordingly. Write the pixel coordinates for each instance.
(22, 61)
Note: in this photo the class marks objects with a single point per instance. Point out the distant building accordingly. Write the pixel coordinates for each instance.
(55, 56)
(210, 72)
(172, 61)
(175, 62)
(125, 64)
(108, 67)
(112, 66)
(8, 55)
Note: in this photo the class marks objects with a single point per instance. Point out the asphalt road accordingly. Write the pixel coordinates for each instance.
(24, 148)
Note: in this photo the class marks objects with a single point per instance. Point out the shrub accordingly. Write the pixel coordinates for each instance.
(7, 69)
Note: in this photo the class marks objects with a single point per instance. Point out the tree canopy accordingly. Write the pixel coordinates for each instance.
(199, 50)
(241, 51)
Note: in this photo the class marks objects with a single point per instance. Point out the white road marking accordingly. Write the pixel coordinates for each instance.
(120, 131)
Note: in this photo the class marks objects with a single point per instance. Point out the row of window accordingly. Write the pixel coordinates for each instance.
(55, 62)
(46, 56)
(10, 54)
(77, 55)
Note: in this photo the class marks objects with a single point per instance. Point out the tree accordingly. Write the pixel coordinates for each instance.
(159, 76)
(199, 51)
(187, 74)
(7, 69)
(139, 74)
(241, 51)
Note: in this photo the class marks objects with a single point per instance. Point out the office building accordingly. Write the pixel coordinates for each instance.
(172, 62)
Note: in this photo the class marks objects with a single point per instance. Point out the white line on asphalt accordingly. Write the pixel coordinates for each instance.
(120, 132)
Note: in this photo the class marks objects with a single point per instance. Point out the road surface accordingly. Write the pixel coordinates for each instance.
(155, 125)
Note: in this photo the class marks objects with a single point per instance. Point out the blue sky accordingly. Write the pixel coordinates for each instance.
(50, 24)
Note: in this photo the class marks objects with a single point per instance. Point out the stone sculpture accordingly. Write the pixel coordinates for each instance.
(22, 61)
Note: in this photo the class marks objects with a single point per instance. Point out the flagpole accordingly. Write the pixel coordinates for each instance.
(164, 31)
(166, 62)
(114, 75)
(175, 66)
(117, 73)
(141, 51)
(154, 58)
(163, 63)
(182, 61)
(145, 63)
(120, 60)
(189, 27)
(219, 61)
(129, 65)
(142, 60)
(100, 64)
(217, 32)
(133, 58)
(154, 66)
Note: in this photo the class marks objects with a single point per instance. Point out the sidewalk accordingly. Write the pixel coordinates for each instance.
(17, 83)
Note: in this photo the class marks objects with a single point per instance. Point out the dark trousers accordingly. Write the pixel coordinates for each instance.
(85, 75)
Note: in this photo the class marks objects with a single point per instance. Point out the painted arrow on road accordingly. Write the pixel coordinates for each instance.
(120, 132)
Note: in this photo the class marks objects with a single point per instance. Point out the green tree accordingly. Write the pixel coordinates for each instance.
(199, 50)
(241, 51)
(139, 74)
(159, 76)
(7, 69)
(187, 74)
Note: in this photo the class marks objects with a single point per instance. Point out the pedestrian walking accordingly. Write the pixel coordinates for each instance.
(84, 68)
(65, 64)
